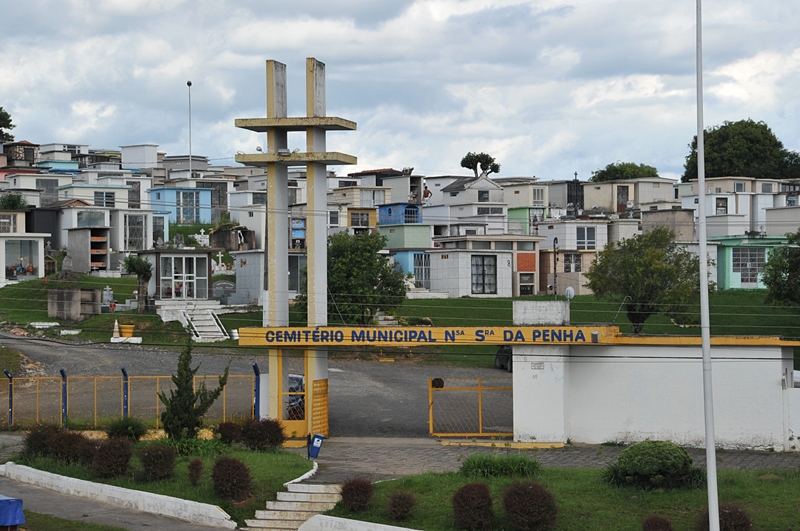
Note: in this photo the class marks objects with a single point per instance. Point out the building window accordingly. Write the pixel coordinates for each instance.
(453, 194)
(259, 198)
(484, 274)
(483, 196)
(484, 211)
(91, 218)
(586, 238)
(104, 199)
(411, 215)
(297, 264)
(158, 229)
(749, 262)
(422, 270)
(48, 188)
(371, 198)
(721, 205)
(791, 200)
(8, 223)
(572, 263)
(766, 188)
(345, 184)
(134, 194)
(187, 205)
(134, 232)
(333, 218)
(738, 187)
(359, 219)
(537, 195)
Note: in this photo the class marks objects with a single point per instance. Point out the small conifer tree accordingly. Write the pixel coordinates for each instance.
(185, 407)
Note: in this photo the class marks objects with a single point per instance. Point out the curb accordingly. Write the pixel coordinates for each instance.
(157, 504)
(501, 444)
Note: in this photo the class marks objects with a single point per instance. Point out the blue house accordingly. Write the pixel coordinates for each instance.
(399, 213)
(185, 205)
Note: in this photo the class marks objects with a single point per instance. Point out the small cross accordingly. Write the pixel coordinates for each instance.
(219, 258)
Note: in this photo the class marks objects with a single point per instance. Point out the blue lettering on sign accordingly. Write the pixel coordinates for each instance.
(567, 335)
(479, 335)
(507, 335)
(579, 336)
(519, 336)
(536, 335)
(449, 335)
(357, 335)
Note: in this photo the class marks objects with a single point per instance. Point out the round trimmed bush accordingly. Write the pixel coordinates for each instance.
(37, 442)
(656, 523)
(68, 446)
(264, 434)
(229, 432)
(112, 458)
(158, 461)
(356, 494)
(231, 479)
(529, 506)
(195, 471)
(400, 505)
(472, 507)
(652, 465)
(730, 519)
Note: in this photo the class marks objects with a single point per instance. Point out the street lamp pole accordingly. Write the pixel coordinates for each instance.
(189, 84)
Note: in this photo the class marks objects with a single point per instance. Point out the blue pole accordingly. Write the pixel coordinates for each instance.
(124, 393)
(10, 399)
(63, 397)
(257, 392)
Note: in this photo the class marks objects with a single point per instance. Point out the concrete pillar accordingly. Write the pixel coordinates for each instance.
(541, 376)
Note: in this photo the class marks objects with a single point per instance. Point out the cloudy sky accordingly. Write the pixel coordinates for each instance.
(548, 87)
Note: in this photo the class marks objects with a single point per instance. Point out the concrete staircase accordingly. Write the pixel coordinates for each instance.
(199, 316)
(382, 319)
(301, 502)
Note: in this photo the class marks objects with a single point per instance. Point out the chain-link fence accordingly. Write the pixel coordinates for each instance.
(471, 407)
(94, 401)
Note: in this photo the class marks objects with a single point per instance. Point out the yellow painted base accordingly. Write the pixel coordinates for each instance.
(505, 444)
(295, 443)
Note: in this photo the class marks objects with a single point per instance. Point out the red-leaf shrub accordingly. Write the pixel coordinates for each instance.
(472, 507)
(530, 507)
(356, 494)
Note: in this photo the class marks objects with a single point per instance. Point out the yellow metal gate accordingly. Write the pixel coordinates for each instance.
(471, 407)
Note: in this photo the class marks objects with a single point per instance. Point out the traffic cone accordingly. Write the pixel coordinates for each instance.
(116, 329)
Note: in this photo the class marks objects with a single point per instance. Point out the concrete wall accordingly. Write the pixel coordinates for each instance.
(451, 272)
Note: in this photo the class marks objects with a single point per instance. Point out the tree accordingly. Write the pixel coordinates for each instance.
(485, 162)
(185, 407)
(650, 272)
(623, 170)
(360, 280)
(143, 270)
(744, 148)
(13, 202)
(5, 126)
(782, 272)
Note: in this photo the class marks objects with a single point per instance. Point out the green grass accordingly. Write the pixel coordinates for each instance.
(45, 522)
(9, 359)
(584, 502)
(269, 471)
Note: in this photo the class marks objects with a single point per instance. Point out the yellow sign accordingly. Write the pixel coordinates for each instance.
(328, 336)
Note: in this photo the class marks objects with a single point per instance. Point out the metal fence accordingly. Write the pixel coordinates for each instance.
(96, 400)
(471, 407)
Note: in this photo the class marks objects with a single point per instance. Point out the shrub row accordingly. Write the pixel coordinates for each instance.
(478, 466)
(259, 435)
(357, 493)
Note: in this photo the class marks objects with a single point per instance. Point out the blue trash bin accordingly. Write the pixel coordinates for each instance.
(314, 446)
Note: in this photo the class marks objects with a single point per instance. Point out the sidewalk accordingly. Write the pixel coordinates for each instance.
(376, 458)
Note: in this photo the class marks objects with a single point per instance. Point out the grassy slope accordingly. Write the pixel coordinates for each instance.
(586, 503)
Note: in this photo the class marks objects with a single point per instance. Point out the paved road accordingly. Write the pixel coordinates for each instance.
(366, 399)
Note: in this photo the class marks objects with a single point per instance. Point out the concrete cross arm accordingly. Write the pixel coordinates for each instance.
(328, 123)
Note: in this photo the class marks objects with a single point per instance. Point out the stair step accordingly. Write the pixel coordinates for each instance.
(314, 487)
(284, 515)
(300, 506)
(309, 497)
(273, 524)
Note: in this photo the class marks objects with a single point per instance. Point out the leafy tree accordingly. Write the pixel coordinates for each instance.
(623, 170)
(650, 271)
(782, 272)
(485, 162)
(143, 270)
(5, 126)
(185, 407)
(744, 148)
(360, 280)
(13, 202)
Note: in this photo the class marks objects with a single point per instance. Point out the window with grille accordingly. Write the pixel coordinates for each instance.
(422, 270)
(104, 199)
(484, 274)
(586, 238)
(371, 198)
(333, 218)
(537, 196)
(572, 263)
(134, 232)
(749, 262)
(134, 194)
(8, 223)
(738, 187)
(411, 215)
(722, 205)
(359, 219)
(187, 205)
(483, 196)
(259, 198)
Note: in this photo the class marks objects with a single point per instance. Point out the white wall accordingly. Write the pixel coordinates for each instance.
(451, 272)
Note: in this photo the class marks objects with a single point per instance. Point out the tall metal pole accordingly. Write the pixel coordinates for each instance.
(189, 84)
(705, 328)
